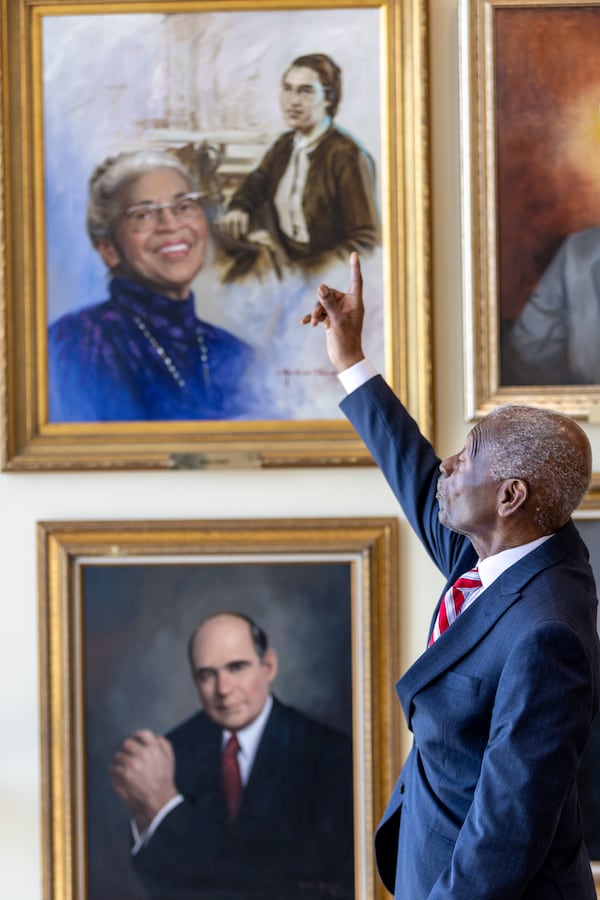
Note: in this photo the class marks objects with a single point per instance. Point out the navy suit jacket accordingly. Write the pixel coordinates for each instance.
(500, 706)
(293, 836)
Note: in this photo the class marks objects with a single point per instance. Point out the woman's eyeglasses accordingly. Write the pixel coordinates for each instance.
(147, 216)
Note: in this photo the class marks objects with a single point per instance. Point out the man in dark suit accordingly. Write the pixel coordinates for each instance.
(502, 701)
(247, 800)
(556, 338)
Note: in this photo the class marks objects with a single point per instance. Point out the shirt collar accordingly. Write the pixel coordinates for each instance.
(307, 141)
(249, 737)
(492, 567)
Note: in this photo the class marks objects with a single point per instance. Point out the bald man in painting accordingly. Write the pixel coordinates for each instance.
(284, 831)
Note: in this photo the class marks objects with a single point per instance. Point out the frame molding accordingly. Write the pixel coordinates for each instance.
(481, 201)
(30, 441)
(369, 546)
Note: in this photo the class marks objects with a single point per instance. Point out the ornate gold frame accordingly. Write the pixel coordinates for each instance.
(482, 199)
(30, 441)
(66, 549)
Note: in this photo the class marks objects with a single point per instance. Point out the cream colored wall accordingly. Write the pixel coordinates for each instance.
(27, 499)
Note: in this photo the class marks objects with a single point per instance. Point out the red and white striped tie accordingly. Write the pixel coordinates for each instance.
(453, 602)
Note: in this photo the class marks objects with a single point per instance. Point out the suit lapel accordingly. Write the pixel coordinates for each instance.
(476, 621)
(260, 793)
(470, 627)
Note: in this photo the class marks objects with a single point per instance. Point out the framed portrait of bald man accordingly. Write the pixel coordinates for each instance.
(182, 178)
(529, 146)
(170, 637)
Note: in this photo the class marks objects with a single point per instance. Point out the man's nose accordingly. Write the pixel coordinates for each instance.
(447, 465)
(223, 682)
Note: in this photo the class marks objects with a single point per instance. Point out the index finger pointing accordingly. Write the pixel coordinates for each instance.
(355, 274)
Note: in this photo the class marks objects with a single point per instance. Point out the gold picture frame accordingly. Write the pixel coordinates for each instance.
(528, 133)
(104, 586)
(41, 196)
(587, 519)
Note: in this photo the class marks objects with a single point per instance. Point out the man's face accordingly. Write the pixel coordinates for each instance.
(467, 494)
(170, 254)
(302, 99)
(232, 681)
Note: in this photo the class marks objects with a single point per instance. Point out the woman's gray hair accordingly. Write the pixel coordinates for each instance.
(548, 451)
(113, 175)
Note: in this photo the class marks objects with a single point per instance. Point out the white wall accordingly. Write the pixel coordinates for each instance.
(27, 499)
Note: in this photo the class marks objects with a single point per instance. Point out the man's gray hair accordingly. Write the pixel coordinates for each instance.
(113, 175)
(548, 451)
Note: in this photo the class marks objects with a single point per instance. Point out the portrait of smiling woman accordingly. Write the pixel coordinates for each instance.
(143, 354)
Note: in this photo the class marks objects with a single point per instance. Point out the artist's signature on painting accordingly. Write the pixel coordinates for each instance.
(288, 374)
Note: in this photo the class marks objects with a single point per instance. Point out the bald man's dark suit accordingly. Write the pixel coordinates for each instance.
(501, 706)
(293, 836)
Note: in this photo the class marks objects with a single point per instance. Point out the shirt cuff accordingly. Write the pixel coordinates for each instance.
(355, 375)
(140, 839)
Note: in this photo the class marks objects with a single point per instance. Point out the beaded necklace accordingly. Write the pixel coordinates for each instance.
(166, 359)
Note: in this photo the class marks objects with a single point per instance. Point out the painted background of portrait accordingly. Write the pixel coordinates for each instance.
(137, 620)
(548, 139)
(113, 82)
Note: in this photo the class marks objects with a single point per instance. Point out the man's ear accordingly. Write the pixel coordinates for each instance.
(513, 494)
(269, 660)
(108, 252)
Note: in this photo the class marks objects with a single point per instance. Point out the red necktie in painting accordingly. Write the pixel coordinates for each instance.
(230, 774)
(453, 602)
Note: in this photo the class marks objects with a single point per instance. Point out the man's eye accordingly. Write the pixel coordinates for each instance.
(237, 666)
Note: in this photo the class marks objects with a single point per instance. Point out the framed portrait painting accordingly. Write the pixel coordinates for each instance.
(530, 138)
(118, 604)
(180, 178)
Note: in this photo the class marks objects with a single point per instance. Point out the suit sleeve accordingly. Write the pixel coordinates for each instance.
(356, 190)
(536, 348)
(409, 464)
(256, 188)
(185, 853)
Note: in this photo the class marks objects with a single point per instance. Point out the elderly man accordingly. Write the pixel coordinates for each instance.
(248, 799)
(502, 700)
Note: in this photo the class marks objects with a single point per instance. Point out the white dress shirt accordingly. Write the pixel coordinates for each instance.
(290, 190)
